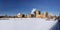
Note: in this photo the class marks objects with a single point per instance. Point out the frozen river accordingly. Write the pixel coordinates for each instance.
(27, 24)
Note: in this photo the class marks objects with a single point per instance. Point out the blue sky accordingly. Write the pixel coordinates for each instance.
(13, 7)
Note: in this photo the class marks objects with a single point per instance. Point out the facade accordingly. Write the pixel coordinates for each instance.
(19, 15)
(39, 15)
(35, 14)
(46, 14)
(28, 15)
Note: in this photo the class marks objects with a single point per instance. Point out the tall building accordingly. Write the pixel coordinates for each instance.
(37, 13)
(46, 14)
(33, 10)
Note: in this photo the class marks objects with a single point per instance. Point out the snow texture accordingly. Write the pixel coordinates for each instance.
(26, 24)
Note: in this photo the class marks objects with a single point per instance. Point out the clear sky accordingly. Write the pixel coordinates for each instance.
(13, 7)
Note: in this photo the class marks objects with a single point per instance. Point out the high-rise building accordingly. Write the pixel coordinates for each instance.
(37, 13)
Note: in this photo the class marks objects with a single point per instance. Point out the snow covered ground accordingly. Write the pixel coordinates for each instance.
(26, 24)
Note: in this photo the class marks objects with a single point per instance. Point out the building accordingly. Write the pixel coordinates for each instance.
(32, 16)
(19, 15)
(28, 15)
(45, 14)
(37, 13)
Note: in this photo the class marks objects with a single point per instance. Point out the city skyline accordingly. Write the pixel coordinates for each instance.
(13, 7)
